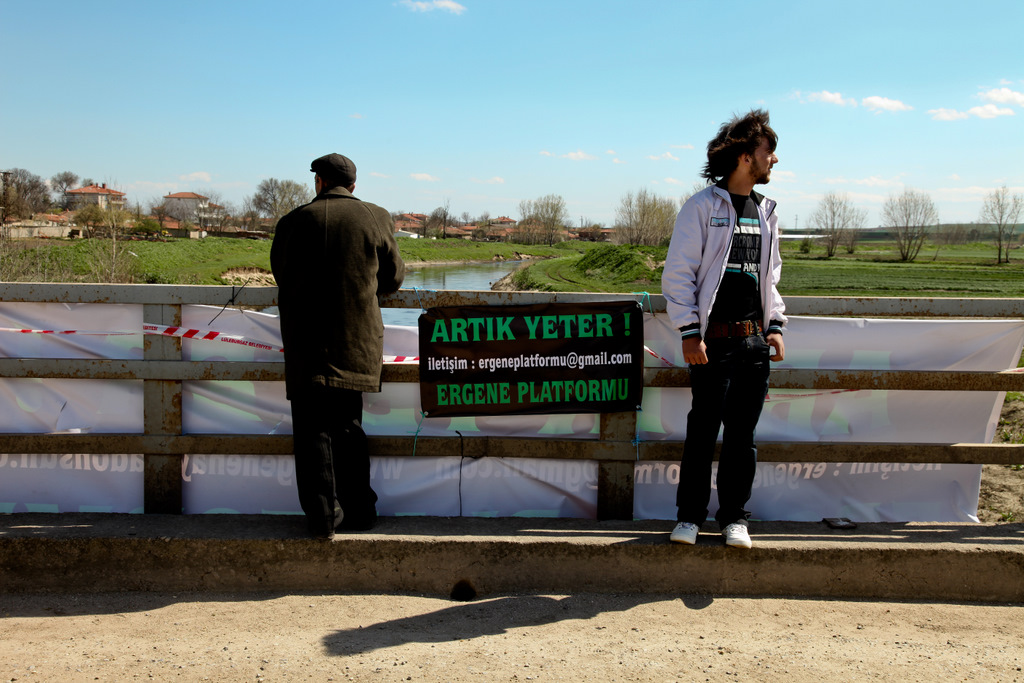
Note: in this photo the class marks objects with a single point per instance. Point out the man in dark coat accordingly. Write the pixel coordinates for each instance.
(332, 258)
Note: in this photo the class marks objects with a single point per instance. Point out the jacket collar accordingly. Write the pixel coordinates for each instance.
(759, 198)
(336, 192)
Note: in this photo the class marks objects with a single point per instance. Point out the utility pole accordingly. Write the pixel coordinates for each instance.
(4, 180)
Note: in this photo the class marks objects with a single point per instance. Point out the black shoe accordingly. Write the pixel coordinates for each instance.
(353, 522)
(325, 528)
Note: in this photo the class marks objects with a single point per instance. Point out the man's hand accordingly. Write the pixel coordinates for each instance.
(775, 341)
(694, 350)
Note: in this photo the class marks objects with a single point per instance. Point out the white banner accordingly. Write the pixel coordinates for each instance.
(502, 487)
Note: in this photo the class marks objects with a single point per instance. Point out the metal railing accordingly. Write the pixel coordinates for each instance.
(616, 452)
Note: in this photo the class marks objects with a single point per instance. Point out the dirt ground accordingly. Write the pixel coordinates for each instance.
(71, 638)
(1001, 498)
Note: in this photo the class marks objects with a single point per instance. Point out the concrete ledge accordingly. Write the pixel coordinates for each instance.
(108, 552)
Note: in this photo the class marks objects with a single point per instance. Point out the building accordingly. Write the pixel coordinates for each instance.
(100, 195)
(195, 208)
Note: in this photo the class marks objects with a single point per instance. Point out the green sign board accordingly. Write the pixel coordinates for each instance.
(535, 359)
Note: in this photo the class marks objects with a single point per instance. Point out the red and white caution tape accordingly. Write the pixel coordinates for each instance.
(207, 335)
(187, 333)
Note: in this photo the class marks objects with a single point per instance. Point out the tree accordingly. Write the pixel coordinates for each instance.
(25, 194)
(542, 219)
(644, 218)
(851, 239)
(249, 215)
(836, 217)
(159, 209)
(90, 216)
(909, 214)
(113, 262)
(61, 183)
(274, 198)
(1002, 210)
(439, 220)
(947, 235)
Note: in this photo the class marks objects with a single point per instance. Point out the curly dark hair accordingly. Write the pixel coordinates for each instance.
(740, 135)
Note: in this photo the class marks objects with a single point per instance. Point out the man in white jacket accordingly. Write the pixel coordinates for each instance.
(720, 283)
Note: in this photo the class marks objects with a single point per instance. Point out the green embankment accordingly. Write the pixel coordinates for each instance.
(957, 272)
(875, 270)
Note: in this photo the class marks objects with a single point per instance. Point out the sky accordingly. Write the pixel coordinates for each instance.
(485, 103)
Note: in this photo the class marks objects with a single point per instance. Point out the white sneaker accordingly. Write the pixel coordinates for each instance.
(736, 535)
(684, 533)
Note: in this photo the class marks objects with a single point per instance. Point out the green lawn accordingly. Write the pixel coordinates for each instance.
(874, 270)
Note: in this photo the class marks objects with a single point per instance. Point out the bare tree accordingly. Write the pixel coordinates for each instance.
(644, 218)
(274, 198)
(26, 193)
(61, 183)
(1002, 210)
(835, 218)
(851, 240)
(249, 215)
(158, 209)
(948, 235)
(441, 218)
(550, 215)
(909, 214)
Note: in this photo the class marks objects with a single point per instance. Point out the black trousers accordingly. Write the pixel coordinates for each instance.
(332, 462)
(728, 393)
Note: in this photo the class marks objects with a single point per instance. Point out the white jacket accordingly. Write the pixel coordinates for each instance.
(698, 253)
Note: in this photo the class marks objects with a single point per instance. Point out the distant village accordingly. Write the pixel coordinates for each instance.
(95, 210)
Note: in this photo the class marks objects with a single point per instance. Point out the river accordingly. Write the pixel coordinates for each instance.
(464, 276)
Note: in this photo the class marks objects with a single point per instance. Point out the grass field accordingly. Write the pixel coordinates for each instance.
(874, 270)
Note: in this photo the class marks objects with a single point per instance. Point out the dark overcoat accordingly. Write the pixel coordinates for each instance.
(332, 258)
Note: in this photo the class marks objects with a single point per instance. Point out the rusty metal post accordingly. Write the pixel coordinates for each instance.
(615, 477)
(162, 414)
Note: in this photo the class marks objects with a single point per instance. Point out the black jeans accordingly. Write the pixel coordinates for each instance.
(728, 393)
(332, 462)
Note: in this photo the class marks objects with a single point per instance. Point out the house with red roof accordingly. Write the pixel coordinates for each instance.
(95, 194)
(195, 208)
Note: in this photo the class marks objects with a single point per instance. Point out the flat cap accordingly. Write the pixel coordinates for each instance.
(335, 168)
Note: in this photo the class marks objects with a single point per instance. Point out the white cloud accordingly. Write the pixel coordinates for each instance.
(681, 146)
(374, 174)
(201, 176)
(667, 156)
(545, 153)
(616, 160)
(356, 116)
(610, 151)
(496, 180)
(990, 111)
(675, 181)
(954, 177)
(1004, 96)
(871, 181)
(431, 5)
(879, 104)
(947, 114)
(424, 177)
(832, 98)
(578, 155)
(973, 194)
(783, 176)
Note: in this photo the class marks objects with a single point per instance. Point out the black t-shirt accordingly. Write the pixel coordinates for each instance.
(739, 295)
